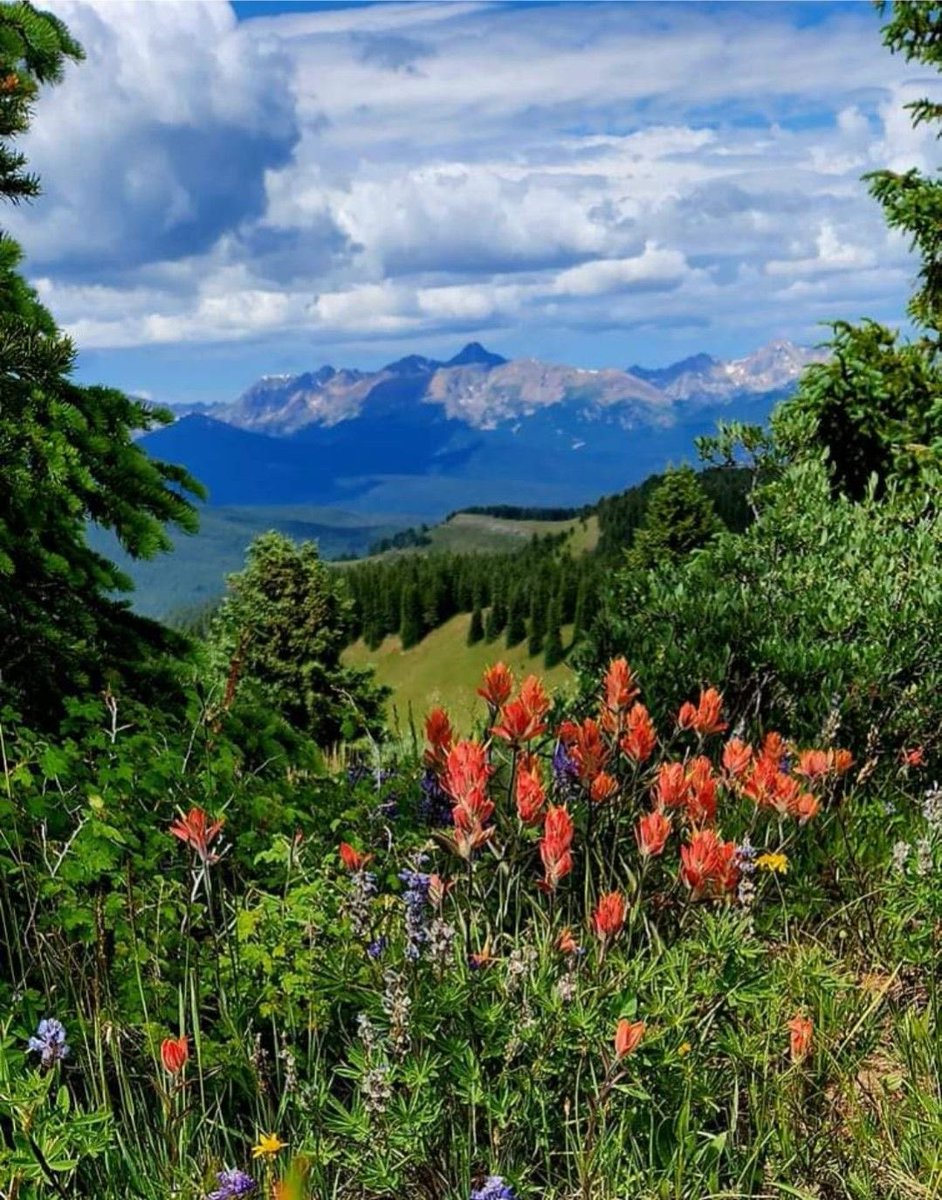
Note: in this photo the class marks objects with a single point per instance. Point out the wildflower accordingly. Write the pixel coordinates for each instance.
(376, 948)
(352, 859)
(530, 796)
(482, 957)
(232, 1184)
(566, 943)
(805, 807)
(737, 755)
(440, 738)
(555, 846)
(619, 689)
(268, 1145)
(900, 854)
(652, 832)
(775, 863)
(441, 937)
(609, 916)
(49, 1042)
(923, 856)
(670, 787)
(915, 757)
(603, 787)
(494, 1188)
(700, 796)
(705, 717)
(708, 866)
(497, 685)
(640, 739)
(564, 766)
(813, 764)
(174, 1053)
(362, 891)
(841, 761)
(800, 1029)
(628, 1035)
(397, 1006)
(522, 719)
(684, 1049)
(465, 779)
(932, 809)
(198, 832)
(585, 745)
(435, 804)
(376, 1089)
(744, 862)
(438, 889)
(416, 901)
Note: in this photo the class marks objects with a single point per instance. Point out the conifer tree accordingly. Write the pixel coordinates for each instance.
(68, 456)
(411, 627)
(537, 623)
(476, 628)
(553, 652)
(496, 618)
(516, 620)
(679, 518)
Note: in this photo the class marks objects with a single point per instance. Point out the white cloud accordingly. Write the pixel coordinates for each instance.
(402, 170)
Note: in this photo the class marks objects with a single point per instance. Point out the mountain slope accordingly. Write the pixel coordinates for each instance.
(425, 436)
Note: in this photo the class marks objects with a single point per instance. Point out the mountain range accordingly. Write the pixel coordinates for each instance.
(424, 436)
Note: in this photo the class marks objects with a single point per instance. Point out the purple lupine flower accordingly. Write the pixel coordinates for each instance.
(49, 1042)
(376, 947)
(435, 805)
(746, 857)
(232, 1184)
(494, 1188)
(564, 765)
(362, 891)
(417, 911)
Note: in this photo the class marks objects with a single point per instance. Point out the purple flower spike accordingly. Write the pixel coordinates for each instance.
(232, 1184)
(49, 1042)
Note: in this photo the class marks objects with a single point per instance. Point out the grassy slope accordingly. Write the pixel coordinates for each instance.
(443, 669)
(473, 532)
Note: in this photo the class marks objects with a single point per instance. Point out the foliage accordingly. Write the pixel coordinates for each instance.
(281, 629)
(679, 518)
(67, 457)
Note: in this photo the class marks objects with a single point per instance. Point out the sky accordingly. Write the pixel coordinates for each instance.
(232, 190)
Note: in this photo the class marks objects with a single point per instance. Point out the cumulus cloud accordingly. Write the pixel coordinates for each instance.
(404, 171)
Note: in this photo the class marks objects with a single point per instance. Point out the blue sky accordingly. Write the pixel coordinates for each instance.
(234, 190)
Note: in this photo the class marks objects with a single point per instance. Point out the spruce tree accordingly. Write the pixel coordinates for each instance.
(411, 628)
(553, 652)
(537, 623)
(516, 620)
(476, 628)
(679, 518)
(496, 618)
(68, 457)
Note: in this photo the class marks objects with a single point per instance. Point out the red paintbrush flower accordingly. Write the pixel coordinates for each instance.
(555, 847)
(603, 787)
(801, 1031)
(652, 832)
(198, 832)
(609, 916)
(497, 685)
(440, 737)
(640, 739)
(174, 1053)
(530, 795)
(705, 717)
(628, 1035)
(737, 755)
(352, 859)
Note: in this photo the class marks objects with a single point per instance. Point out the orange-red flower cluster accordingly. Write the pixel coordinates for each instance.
(497, 685)
(708, 865)
(522, 720)
(690, 786)
(353, 859)
(555, 847)
(530, 793)
(619, 688)
(652, 832)
(628, 1035)
(174, 1053)
(706, 716)
(816, 764)
(586, 747)
(609, 916)
(465, 780)
(769, 786)
(440, 737)
(639, 738)
(801, 1031)
(198, 832)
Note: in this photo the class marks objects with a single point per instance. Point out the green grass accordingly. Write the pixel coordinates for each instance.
(467, 533)
(443, 669)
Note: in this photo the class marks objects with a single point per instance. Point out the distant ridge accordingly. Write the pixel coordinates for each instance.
(430, 436)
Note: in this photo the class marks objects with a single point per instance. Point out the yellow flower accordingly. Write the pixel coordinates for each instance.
(778, 863)
(684, 1048)
(267, 1146)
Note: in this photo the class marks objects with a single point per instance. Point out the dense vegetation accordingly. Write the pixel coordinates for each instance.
(680, 941)
(529, 593)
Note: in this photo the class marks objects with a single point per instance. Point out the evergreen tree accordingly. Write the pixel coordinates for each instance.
(537, 622)
(68, 456)
(496, 618)
(411, 626)
(516, 620)
(284, 621)
(579, 613)
(679, 518)
(476, 628)
(553, 652)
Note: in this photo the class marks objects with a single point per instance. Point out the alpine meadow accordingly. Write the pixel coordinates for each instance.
(509, 780)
